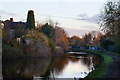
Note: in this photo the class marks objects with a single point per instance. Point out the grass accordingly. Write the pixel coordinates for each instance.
(102, 69)
(114, 53)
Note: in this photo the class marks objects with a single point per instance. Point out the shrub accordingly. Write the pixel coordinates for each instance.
(9, 52)
(36, 37)
(51, 45)
(38, 45)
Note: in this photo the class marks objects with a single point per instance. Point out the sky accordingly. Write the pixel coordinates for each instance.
(77, 17)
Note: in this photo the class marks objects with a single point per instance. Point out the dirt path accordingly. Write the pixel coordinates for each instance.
(113, 68)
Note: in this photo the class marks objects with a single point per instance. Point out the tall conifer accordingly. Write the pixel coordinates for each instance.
(30, 24)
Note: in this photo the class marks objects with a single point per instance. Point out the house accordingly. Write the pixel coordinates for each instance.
(13, 25)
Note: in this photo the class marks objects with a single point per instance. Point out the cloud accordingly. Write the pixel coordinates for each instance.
(93, 19)
(82, 15)
(6, 13)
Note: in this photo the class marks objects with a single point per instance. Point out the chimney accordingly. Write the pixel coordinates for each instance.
(11, 19)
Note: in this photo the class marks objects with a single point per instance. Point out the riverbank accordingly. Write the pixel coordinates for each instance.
(113, 68)
(113, 53)
(101, 69)
(108, 69)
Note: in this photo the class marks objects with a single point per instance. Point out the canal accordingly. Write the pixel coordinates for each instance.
(66, 66)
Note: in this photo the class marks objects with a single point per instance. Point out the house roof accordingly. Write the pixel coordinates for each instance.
(13, 25)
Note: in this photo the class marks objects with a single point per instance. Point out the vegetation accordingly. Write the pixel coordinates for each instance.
(37, 44)
(30, 24)
(114, 53)
(105, 43)
(52, 45)
(11, 53)
(33, 42)
(75, 41)
(60, 38)
(97, 39)
(110, 22)
(55, 34)
(47, 30)
(19, 31)
(36, 37)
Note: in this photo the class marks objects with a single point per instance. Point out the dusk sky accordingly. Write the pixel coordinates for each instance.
(68, 13)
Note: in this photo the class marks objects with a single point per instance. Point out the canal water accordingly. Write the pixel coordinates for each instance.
(67, 66)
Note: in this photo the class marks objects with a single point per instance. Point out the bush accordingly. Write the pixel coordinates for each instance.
(9, 52)
(51, 45)
(86, 46)
(48, 30)
(36, 37)
(38, 45)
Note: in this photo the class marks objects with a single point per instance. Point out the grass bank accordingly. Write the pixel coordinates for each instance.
(114, 53)
(102, 68)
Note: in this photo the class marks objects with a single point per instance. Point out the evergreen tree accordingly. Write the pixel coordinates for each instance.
(47, 30)
(30, 24)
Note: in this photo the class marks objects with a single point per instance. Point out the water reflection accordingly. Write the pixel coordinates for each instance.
(25, 68)
(60, 63)
(60, 67)
(75, 67)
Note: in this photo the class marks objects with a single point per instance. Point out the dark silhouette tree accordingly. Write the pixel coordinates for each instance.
(87, 38)
(75, 41)
(60, 38)
(110, 22)
(30, 24)
(97, 39)
(47, 30)
(105, 43)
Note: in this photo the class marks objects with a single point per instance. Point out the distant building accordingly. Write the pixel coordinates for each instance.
(12, 25)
